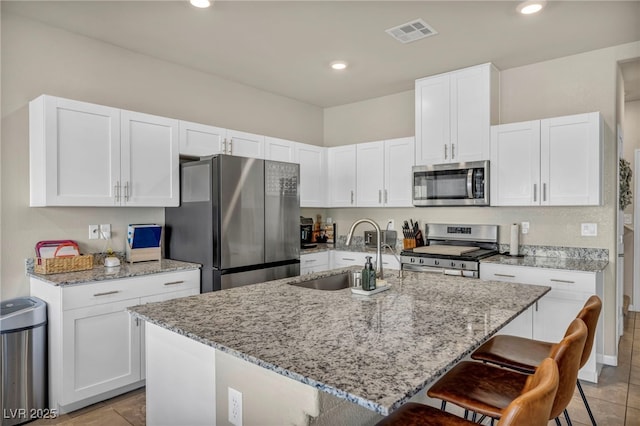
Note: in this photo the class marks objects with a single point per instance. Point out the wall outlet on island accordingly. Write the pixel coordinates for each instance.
(235, 407)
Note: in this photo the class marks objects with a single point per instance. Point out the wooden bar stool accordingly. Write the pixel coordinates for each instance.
(525, 354)
(488, 390)
(531, 408)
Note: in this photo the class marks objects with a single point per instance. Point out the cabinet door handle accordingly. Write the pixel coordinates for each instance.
(504, 275)
(535, 192)
(352, 196)
(555, 280)
(544, 192)
(231, 146)
(379, 196)
(137, 322)
(126, 191)
(106, 293)
(224, 145)
(174, 283)
(445, 151)
(385, 196)
(453, 151)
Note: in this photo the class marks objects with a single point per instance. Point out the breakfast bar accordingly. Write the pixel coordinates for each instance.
(295, 353)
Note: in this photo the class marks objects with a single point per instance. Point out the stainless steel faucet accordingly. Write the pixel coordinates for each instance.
(379, 271)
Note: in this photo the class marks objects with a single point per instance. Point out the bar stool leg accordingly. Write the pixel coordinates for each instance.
(558, 421)
(566, 417)
(586, 404)
(443, 406)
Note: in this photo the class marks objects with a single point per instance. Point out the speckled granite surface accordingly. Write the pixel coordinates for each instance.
(586, 265)
(125, 270)
(376, 351)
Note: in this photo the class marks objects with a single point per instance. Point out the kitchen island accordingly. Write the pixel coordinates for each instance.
(295, 344)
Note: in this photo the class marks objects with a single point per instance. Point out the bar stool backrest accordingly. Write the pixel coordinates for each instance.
(567, 354)
(533, 406)
(590, 314)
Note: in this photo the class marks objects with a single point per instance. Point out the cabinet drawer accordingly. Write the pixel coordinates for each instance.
(312, 260)
(97, 293)
(554, 278)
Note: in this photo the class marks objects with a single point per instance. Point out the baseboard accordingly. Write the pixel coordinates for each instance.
(62, 409)
(610, 360)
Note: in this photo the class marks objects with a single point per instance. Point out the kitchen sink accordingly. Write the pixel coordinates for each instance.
(332, 282)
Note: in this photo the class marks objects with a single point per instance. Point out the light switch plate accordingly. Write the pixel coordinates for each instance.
(524, 227)
(589, 229)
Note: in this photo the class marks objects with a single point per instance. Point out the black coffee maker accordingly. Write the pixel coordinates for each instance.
(306, 232)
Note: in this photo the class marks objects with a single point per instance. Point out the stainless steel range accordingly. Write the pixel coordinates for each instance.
(453, 249)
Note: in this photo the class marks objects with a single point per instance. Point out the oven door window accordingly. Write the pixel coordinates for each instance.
(442, 184)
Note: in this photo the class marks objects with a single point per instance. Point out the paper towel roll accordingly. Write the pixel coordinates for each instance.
(515, 237)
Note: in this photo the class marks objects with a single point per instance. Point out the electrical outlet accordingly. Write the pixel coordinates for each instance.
(105, 231)
(235, 407)
(589, 229)
(94, 232)
(391, 224)
(524, 227)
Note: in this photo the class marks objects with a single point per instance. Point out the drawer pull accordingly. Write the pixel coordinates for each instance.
(348, 258)
(106, 293)
(174, 283)
(504, 275)
(561, 281)
(310, 260)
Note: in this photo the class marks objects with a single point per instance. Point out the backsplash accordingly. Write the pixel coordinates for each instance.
(560, 252)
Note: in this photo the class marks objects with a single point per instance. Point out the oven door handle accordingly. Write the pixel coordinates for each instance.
(470, 183)
(422, 268)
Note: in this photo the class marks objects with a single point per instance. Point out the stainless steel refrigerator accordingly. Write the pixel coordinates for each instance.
(239, 217)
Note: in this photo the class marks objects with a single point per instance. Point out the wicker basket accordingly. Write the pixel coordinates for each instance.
(57, 265)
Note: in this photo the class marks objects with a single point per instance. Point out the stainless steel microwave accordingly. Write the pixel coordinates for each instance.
(454, 184)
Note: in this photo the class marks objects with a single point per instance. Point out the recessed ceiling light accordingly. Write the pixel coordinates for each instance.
(200, 3)
(338, 65)
(530, 6)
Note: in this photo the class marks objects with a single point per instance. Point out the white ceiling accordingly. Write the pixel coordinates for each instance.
(285, 47)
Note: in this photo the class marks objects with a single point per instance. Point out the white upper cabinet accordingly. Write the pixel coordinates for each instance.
(313, 174)
(279, 149)
(243, 144)
(370, 174)
(454, 113)
(200, 140)
(384, 173)
(342, 176)
(83, 154)
(149, 161)
(515, 164)
(571, 160)
(398, 177)
(550, 162)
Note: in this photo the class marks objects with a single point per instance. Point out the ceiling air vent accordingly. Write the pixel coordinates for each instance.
(411, 31)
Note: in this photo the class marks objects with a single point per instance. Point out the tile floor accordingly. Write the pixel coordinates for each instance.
(615, 400)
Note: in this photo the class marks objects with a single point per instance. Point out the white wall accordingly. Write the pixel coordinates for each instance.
(569, 85)
(37, 59)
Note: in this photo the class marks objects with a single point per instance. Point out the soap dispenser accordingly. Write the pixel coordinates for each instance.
(368, 276)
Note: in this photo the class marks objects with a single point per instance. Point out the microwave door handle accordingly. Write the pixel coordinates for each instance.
(470, 183)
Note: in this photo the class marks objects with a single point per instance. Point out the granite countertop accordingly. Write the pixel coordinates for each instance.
(125, 270)
(376, 351)
(584, 265)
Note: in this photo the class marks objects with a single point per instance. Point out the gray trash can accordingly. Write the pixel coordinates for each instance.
(23, 347)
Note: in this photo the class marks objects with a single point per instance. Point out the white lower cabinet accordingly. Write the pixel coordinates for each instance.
(342, 259)
(101, 350)
(551, 315)
(314, 262)
(96, 349)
